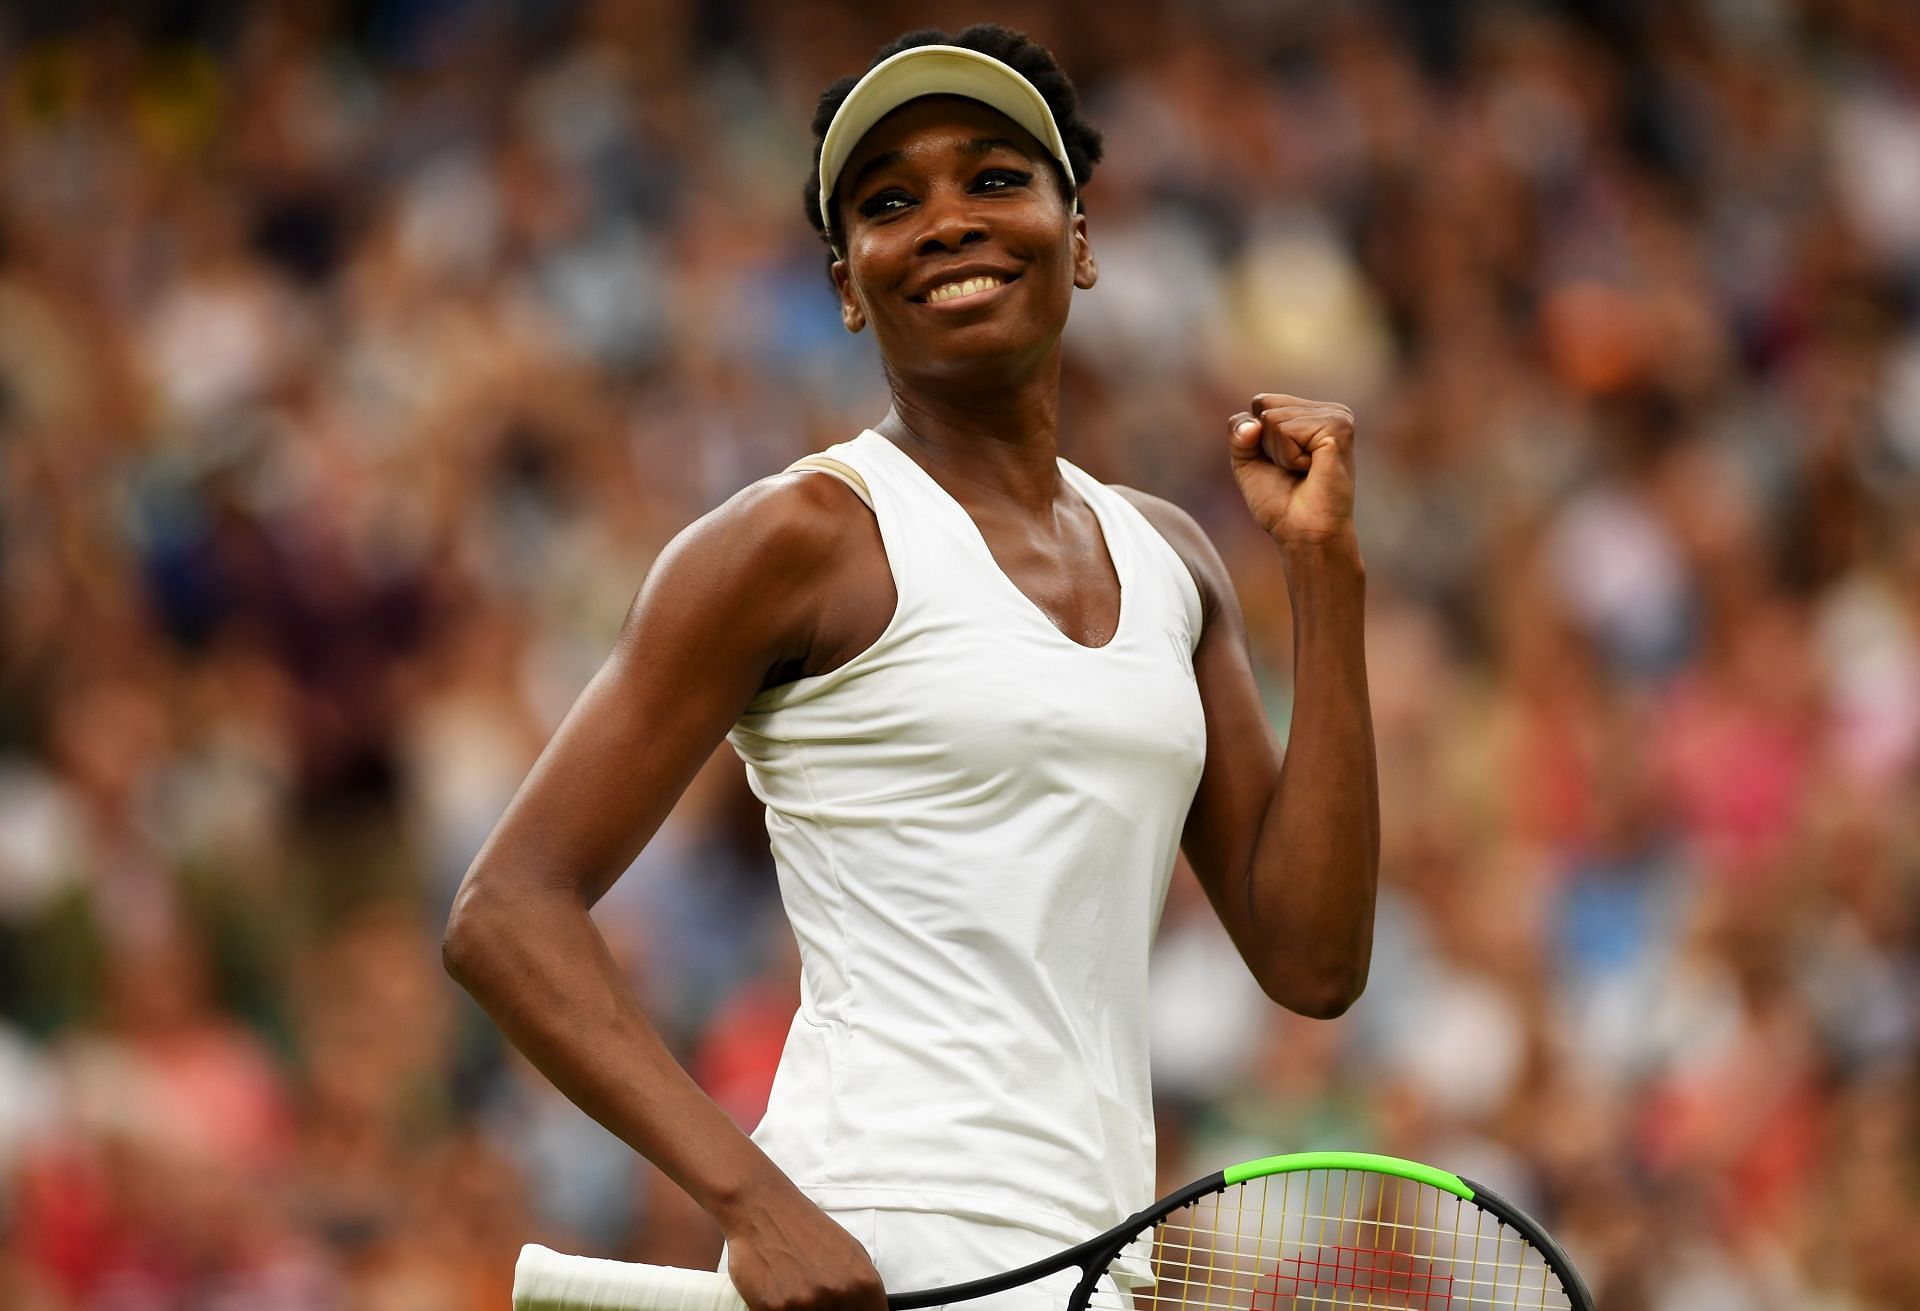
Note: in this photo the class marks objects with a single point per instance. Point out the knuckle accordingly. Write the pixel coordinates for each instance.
(854, 1292)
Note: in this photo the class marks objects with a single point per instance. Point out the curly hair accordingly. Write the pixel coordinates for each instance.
(1018, 51)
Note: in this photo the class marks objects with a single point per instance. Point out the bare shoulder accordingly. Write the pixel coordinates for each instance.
(772, 539)
(795, 565)
(791, 523)
(1188, 540)
(760, 563)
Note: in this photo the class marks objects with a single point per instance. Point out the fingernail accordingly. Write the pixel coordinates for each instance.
(1246, 429)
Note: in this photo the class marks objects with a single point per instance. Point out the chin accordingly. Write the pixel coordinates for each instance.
(983, 355)
(1009, 342)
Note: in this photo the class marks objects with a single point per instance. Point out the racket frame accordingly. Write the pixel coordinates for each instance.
(1543, 1242)
(1094, 1255)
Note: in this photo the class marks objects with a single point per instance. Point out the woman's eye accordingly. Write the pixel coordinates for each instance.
(996, 178)
(885, 202)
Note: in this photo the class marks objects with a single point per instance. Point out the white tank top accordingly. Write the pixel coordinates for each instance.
(974, 821)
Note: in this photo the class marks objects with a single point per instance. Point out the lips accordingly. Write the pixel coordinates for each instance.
(947, 291)
(951, 285)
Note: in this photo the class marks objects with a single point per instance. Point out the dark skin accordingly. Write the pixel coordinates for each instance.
(790, 578)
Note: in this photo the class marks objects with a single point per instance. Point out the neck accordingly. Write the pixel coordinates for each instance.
(999, 439)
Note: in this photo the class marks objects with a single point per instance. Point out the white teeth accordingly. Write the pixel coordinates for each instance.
(954, 290)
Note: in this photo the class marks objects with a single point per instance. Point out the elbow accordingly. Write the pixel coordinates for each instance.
(1323, 996)
(464, 944)
(1327, 1003)
(454, 953)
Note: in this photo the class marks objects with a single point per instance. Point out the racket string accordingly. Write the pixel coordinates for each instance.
(1495, 1285)
(1233, 1252)
(1343, 1298)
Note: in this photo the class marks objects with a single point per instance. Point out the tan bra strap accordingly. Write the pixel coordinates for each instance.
(845, 472)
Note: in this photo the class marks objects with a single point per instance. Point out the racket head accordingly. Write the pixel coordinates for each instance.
(1322, 1229)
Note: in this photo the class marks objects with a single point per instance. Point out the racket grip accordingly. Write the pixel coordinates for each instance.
(546, 1280)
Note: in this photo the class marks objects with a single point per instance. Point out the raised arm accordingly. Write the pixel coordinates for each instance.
(730, 604)
(1288, 847)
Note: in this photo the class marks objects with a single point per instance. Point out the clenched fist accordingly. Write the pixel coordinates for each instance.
(1293, 459)
(788, 1255)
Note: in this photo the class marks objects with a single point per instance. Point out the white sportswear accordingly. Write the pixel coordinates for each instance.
(974, 821)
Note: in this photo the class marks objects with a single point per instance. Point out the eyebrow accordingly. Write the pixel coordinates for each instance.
(973, 146)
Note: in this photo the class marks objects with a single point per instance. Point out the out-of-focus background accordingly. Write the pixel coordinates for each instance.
(356, 359)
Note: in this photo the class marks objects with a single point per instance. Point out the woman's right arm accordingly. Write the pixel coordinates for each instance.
(735, 595)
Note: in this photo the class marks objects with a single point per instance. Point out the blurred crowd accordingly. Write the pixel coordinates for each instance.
(356, 359)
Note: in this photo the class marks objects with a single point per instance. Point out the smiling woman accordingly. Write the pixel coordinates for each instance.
(987, 700)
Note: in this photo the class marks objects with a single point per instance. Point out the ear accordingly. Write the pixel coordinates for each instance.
(851, 313)
(1085, 271)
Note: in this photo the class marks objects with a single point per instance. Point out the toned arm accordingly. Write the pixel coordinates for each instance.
(731, 604)
(1286, 845)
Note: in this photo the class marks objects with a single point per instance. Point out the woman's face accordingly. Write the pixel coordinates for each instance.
(946, 191)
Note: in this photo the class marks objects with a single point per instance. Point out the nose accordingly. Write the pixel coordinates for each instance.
(950, 223)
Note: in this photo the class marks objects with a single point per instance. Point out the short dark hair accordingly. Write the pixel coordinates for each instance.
(1018, 51)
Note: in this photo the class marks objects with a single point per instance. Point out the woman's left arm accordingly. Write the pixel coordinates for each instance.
(1287, 846)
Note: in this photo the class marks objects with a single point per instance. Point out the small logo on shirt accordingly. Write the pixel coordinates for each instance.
(1182, 652)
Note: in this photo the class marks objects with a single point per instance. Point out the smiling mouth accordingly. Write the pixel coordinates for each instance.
(964, 289)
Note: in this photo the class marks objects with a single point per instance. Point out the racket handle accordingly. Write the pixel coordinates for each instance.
(546, 1280)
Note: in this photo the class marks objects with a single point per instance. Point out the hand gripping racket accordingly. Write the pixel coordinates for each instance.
(1284, 1233)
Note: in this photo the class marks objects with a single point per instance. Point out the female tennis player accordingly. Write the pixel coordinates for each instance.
(985, 699)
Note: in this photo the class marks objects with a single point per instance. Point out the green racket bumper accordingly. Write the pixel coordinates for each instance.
(1390, 1165)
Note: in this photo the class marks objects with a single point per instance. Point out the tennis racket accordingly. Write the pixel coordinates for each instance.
(1284, 1233)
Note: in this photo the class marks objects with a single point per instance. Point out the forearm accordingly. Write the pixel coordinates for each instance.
(1312, 878)
(535, 961)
